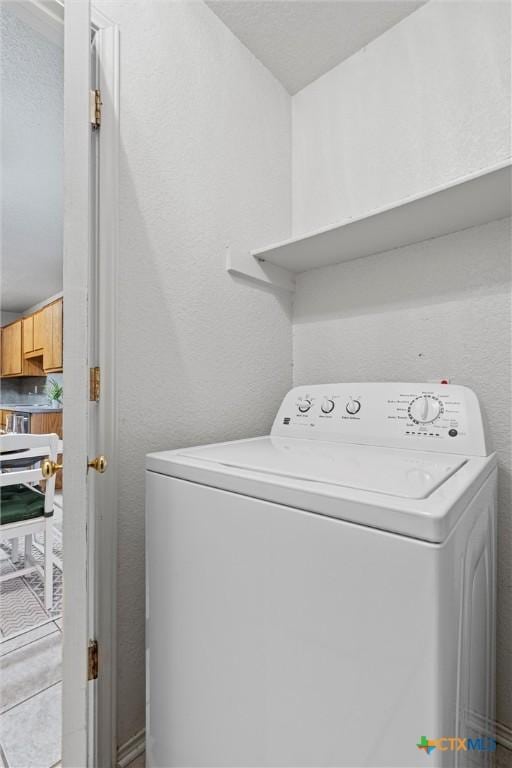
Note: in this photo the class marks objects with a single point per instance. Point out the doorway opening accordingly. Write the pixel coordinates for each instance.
(32, 384)
(58, 272)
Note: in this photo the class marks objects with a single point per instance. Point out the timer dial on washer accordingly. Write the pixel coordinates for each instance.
(304, 405)
(327, 405)
(425, 409)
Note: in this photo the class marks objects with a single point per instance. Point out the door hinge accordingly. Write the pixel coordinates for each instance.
(92, 660)
(95, 104)
(94, 384)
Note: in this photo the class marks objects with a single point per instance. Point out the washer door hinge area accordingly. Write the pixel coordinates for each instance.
(92, 660)
(95, 104)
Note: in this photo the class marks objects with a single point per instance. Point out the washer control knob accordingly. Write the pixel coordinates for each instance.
(304, 405)
(327, 405)
(425, 409)
(353, 407)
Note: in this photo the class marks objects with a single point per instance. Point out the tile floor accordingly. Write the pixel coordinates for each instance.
(30, 701)
(31, 677)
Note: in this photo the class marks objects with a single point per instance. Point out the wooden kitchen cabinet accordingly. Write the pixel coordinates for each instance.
(32, 346)
(12, 349)
(40, 329)
(13, 360)
(52, 357)
(46, 423)
(32, 365)
(28, 334)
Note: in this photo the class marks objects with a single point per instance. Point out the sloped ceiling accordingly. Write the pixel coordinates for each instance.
(300, 40)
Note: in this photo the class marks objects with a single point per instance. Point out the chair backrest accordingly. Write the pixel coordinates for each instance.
(19, 452)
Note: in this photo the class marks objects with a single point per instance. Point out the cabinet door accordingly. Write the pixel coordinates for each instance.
(46, 332)
(28, 334)
(12, 359)
(4, 354)
(40, 328)
(44, 423)
(47, 335)
(56, 359)
(17, 347)
(52, 358)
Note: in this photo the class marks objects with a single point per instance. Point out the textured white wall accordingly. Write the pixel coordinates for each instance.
(32, 108)
(205, 161)
(425, 103)
(439, 308)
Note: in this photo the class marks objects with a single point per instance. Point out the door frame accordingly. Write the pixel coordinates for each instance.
(76, 256)
(89, 707)
(106, 489)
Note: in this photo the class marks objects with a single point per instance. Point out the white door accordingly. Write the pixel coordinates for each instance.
(90, 183)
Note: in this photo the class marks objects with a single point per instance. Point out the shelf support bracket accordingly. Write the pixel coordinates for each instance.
(249, 266)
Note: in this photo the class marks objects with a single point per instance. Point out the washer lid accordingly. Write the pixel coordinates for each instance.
(395, 472)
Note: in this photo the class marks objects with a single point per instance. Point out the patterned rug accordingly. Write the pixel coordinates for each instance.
(22, 599)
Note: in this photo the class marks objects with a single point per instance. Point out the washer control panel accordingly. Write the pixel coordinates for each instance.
(438, 417)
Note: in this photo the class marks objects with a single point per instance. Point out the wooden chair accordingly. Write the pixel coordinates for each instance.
(24, 509)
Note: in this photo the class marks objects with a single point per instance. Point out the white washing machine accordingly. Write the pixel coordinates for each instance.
(324, 596)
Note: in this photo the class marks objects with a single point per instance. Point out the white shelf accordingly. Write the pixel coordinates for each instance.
(468, 202)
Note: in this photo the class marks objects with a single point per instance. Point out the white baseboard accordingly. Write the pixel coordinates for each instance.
(135, 747)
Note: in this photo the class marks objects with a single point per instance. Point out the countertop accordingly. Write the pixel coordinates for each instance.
(26, 408)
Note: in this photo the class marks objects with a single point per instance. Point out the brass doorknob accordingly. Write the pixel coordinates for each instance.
(49, 468)
(100, 464)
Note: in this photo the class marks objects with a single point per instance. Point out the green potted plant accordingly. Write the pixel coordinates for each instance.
(55, 391)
